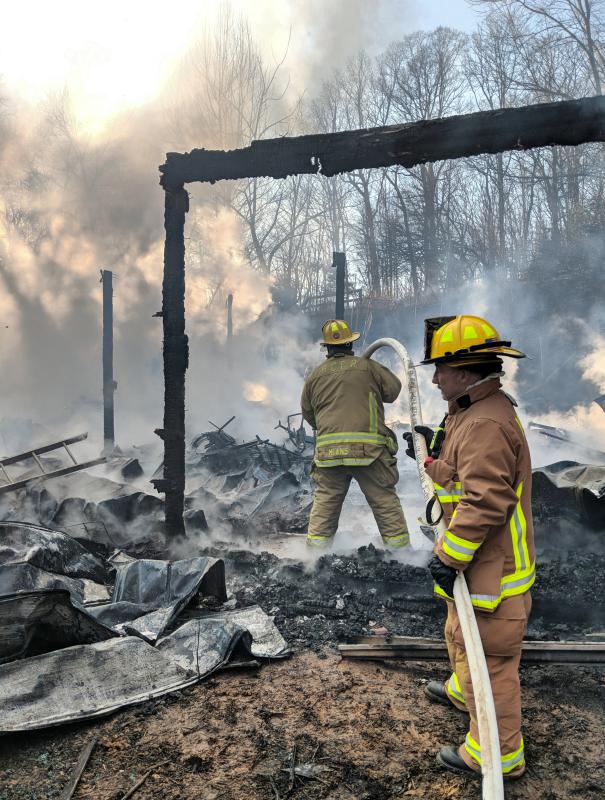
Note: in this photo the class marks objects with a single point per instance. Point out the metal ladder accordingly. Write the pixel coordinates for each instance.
(12, 485)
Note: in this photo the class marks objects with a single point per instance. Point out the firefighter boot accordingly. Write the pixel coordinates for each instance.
(449, 758)
(435, 691)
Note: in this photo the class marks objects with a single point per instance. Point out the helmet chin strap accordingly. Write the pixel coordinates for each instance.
(489, 377)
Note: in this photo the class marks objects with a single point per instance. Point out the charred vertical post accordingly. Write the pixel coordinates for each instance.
(339, 261)
(109, 386)
(176, 359)
(230, 327)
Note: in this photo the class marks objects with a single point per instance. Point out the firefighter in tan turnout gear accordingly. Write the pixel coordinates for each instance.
(482, 476)
(343, 400)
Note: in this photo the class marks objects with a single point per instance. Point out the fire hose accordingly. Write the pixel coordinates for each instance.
(491, 769)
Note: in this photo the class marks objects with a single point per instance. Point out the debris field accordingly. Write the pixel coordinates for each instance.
(253, 723)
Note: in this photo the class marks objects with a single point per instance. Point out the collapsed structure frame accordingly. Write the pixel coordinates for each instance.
(565, 123)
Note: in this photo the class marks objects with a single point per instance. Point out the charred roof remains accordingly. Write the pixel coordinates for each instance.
(566, 123)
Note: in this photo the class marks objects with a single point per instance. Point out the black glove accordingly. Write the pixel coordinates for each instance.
(443, 575)
(409, 439)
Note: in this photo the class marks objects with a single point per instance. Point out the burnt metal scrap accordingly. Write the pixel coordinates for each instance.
(63, 659)
(570, 490)
(251, 484)
(563, 435)
(220, 452)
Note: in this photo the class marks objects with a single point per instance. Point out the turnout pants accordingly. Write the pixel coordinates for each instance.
(377, 481)
(502, 634)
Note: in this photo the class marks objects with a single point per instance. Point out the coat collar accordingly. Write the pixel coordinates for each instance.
(473, 394)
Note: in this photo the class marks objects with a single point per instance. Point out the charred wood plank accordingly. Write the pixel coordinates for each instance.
(411, 648)
(567, 123)
(79, 768)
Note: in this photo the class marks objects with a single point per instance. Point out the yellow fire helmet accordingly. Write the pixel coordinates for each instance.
(337, 331)
(464, 340)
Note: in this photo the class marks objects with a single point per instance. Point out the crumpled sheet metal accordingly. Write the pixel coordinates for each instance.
(571, 489)
(149, 580)
(42, 621)
(27, 578)
(92, 680)
(267, 641)
(150, 594)
(33, 558)
(48, 550)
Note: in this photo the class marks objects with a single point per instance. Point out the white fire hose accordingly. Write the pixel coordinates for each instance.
(491, 769)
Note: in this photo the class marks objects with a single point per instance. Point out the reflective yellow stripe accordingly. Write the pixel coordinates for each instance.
(373, 413)
(318, 541)
(439, 591)
(398, 540)
(453, 688)
(518, 530)
(334, 327)
(508, 761)
(520, 424)
(433, 440)
(350, 437)
(455, 555)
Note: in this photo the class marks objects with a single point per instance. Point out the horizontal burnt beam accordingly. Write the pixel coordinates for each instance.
(567, 123)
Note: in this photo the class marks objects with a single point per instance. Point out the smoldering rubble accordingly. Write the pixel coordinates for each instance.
(251, 486)
(89, 587)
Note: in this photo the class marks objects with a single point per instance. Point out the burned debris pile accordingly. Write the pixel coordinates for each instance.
(367, 591)
(253, 486)
(257, 486)
(81, 637)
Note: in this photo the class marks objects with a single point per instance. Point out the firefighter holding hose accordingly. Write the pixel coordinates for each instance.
(343, 401)
(480, 465)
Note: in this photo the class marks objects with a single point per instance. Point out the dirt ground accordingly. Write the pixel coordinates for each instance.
(360, 729)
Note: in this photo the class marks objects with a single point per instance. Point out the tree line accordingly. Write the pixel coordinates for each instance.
(413, 233)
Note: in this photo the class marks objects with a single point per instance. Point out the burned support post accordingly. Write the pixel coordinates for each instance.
(109, 386)
(229, 327)
(176, 359)
(339, 261)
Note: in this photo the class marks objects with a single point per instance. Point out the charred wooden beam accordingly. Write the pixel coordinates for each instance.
(109, 385)
(412, 648)
(176, 360)
(339, 261)
(571, 122)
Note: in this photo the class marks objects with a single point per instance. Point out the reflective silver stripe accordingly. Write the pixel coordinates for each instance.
(512, 762)
(340, 438)
(508, 762)
(467, 551)
(453, 687)
(488, 598)
(472, 749)
(345, 462)
(520, 581)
